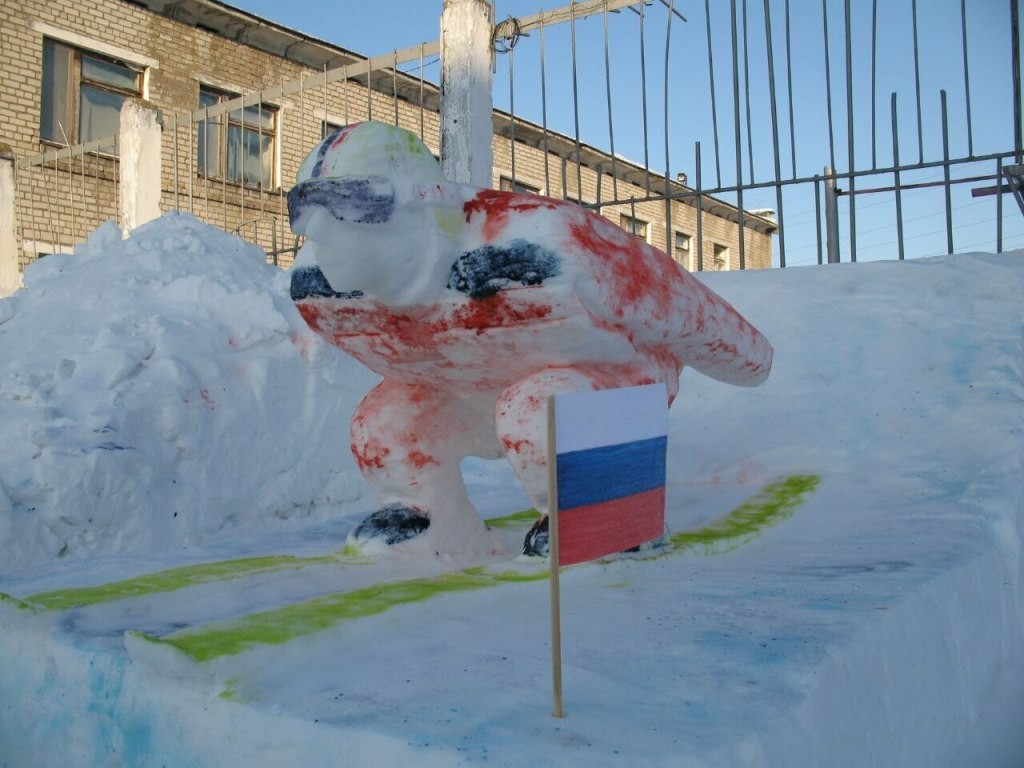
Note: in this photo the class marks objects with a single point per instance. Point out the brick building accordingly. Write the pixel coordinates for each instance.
(67, 67)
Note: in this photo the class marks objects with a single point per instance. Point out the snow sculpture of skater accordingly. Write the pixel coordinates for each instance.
(476, 305)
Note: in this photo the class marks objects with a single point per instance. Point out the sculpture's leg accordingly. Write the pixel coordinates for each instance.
(408, 441)
(521, 419)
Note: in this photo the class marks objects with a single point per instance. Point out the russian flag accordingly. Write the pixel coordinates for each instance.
(610, 448)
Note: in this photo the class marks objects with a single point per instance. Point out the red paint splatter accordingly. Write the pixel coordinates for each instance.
(496, 312)
(419, 459)
(636, 271)
(517, 446)
(392, 334)
(370, 456)
(496, 205)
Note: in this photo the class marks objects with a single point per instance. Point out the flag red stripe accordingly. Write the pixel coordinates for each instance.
(595, 530)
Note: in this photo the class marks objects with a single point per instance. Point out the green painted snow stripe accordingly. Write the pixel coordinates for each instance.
(773, 504)
(170, 580)
(515, 520)
(14, 602)
(301, 619)
(205, 573)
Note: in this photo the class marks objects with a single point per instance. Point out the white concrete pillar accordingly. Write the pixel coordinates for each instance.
(10, 277)
(140, 164)
(466, 103)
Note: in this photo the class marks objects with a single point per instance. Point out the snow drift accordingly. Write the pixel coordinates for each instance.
(162, 392)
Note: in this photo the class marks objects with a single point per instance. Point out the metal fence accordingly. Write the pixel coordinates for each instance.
(863, 131)
(869, 131)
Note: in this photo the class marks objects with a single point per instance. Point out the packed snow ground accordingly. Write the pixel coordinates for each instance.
(163, 404)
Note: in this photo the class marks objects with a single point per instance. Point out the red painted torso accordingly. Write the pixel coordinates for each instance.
(464, 344)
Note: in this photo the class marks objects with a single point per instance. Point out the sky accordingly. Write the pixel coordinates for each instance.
(398, 24)
(843, 586)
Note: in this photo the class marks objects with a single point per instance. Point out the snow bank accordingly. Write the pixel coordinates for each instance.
(162, 392)
(882, 623)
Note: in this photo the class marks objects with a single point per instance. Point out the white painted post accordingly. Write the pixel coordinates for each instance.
(10, 278)
(466, 105)
(140, 164)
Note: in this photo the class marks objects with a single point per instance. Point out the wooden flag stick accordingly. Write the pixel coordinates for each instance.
(556, 610)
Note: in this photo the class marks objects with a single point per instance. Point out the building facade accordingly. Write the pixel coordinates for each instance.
(68, 67)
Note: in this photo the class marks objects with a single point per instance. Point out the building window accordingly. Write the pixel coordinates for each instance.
(720, 258)
(506, 184)
(237, 146)
(82, 94)
(633, 225)
(681, 248)
(327, 128)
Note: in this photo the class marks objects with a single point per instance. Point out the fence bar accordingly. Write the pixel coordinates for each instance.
(263, 209)
(512, 109)
(945, 174)
(817, 214)
(917, 83)
(345, 91)
(714, 102)
(422, 132)
(896, 173)
(544, 116)
(789, 89)
(327, 112)
(736, 130)
(643, 97)
(608, 93)
(874, 81)
(280, 198)
(668, 165)
(700, 213)
(1015, 66)
(369, 90)
(967, 78)
(175, 145)
(849, 134)
(241, 174)
(206, 176)
(394, 86)
(999, 206)
(576, 102)
(746, 95)
(50, 205)
(828, 87)
(775, 131)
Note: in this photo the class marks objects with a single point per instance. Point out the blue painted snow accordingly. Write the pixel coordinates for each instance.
(360, 200)
(484, 271)
(310, 282)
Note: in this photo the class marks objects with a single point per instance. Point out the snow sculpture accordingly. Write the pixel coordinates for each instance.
(476, 305)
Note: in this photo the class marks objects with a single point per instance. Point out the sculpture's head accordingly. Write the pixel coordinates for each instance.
(356, 171)
(360, 200)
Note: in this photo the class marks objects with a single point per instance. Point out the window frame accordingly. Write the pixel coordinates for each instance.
(684, 255)
(65, 111)
(629, 224)
(222, 125)
(720, 255)
(509, 184)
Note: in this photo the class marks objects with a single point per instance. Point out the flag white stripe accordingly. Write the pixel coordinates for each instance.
(587, 420)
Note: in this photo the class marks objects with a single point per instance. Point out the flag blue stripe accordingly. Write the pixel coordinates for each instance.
(610, 472)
